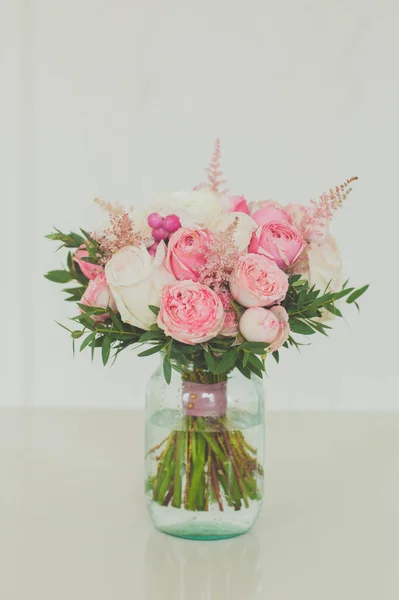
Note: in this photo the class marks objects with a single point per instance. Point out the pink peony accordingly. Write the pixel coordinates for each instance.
(230, 324)
(190, 312)
(99, 295)
(266, 211)
(237, 204)
(280, 241)
(88, 269)
(262, 325)
(187, 250)
(258, 281)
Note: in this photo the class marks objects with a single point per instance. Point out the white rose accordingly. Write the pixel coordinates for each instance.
(244, 230)
(136, 280)
(198, 208)
(325, 268)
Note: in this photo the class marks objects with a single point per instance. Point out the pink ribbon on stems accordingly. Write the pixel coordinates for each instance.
(204, 399)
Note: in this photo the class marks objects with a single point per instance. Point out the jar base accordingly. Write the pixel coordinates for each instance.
(201, 532)
(205, 525)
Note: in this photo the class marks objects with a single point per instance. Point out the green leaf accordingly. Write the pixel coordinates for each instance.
(154, 309)
(115, 320)
(334, 310)
(276, 356)
(75, 291)
(88, 340)
(106, 349)
(150, 351)
(256, 362)
(227, 362)
(293, 279)
(91, 261)
(69, 240)
(78, 275)
(167, 370)
(342, 293)
(255, 370)
(87, 235)
(255, 346)
(64, 327)
(211, 361)
(243, 370)
(59, 276)
(95, 343)
(150, 335)
(300, 327)
(357, 293)
(92, 310)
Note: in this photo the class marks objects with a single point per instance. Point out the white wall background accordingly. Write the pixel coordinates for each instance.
(122, 99)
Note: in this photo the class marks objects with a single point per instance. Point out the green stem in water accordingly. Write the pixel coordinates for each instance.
(179, 459)
(198, 468)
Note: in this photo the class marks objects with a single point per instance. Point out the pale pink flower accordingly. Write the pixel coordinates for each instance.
(262, 325)
(89, 270)
(187, 252)
(265, 211)
(99, 295)
(237, 204)
(278, 240)
(190, 312)
(230, 324)
(258, 281)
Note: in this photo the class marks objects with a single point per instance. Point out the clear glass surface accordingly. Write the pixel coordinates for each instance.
(204, 474)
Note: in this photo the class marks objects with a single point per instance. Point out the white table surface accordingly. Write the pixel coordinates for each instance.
(73, 522)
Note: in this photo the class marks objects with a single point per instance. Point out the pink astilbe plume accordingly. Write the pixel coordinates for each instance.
(215, 176)
(120, 234)
(110, 207)
(315, 219)
(222, 255)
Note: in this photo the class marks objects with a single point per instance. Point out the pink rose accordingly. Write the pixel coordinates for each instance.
(230, 324)
(99, 295)
(278, 240)
(258, 281)
(88, 269)
(266, 211)
(187, 250)
(190, 312)
(262, 325)
(237, 204)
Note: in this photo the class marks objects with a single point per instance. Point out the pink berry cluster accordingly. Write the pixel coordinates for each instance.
(161, 227)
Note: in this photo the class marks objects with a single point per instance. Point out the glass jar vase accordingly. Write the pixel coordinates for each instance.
(204, 453)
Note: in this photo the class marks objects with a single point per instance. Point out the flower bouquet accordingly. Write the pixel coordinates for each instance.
(214, 284)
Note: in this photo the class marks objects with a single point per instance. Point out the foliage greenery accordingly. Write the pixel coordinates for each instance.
(207, 362)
